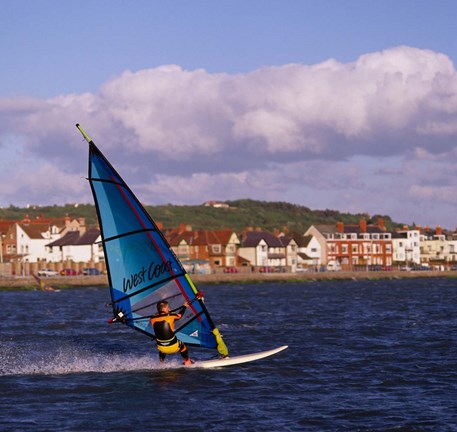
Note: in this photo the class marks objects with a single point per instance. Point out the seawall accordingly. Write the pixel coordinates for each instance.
(62, 282)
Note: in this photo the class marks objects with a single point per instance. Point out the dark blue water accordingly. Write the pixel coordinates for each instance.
(363, 356)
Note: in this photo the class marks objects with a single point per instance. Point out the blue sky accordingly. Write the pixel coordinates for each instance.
(348, 105)
(57, 47)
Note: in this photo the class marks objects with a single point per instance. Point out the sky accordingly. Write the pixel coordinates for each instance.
(343, 105)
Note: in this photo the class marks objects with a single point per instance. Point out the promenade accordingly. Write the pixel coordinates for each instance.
(62, 282)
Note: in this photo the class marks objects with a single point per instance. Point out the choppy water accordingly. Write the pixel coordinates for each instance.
(363, 356)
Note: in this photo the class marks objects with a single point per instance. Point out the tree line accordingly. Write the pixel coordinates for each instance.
(238, 215)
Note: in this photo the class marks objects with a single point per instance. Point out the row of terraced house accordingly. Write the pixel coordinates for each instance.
(31, 244)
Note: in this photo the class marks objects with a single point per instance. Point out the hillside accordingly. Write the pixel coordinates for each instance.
(240, 214)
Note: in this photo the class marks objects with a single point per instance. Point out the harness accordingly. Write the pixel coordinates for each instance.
(167, 342)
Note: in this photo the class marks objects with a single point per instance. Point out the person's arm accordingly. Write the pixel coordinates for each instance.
(181, 310)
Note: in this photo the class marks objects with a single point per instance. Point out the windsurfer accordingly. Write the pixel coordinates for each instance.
(164, 329)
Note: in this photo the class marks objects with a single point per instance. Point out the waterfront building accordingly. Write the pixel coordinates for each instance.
(218, 247)
(77, 246)
(352, 246)
(451, 238)
(25, 241)
(406, 247)
(434, 247)
(263, 249)
(291, 251)
(304, 253)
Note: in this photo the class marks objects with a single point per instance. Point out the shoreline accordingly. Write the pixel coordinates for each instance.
(62, 282)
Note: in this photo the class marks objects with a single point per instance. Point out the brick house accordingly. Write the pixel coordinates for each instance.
(218, 247)
(354, 245)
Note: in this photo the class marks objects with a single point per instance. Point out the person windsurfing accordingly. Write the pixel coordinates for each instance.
(164, 329)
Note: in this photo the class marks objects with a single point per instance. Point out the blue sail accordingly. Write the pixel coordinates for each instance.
(142, 267)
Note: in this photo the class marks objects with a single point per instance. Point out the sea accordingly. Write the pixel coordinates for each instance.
(363, 356)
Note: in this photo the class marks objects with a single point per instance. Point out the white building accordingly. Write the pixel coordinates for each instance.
(302, 251)
(406, 247)
(310, 251)
(76, 247)
(262, 249)
(291, 249)
(31, 240)
(434, 246)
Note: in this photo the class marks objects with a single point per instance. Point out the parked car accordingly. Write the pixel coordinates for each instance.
(47, 273)
(230, 270)
(405, 268)
(91, 271)
(301, 269)
(333, 266)
(68, 272)
(266, 270)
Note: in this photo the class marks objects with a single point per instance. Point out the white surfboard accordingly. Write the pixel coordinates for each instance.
(228, 361)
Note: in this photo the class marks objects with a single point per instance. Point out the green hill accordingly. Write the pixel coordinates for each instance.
(239, 215)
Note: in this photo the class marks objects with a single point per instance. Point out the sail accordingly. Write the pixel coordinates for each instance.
(142, 267)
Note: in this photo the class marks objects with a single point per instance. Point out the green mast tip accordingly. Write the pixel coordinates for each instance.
(86, 137)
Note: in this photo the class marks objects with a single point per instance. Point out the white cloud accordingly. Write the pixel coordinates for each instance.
(268, 134)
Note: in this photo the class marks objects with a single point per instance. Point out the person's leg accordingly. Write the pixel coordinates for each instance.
(184, 353)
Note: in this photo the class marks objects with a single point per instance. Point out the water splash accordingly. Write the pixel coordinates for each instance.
(73, 359)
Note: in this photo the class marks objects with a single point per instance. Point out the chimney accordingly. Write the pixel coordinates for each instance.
(381, 224)
(439, 230)
(340, 227)
(363, 225)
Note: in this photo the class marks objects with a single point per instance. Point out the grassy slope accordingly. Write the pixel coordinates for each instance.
(241, 214)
